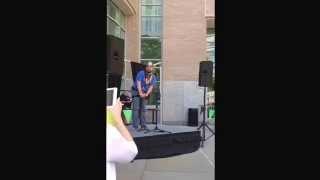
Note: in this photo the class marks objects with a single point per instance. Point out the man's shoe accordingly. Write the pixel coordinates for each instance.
(141, 129)
(145, 129)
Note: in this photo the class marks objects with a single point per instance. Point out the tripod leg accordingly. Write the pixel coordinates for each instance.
(209, 129)
(209, 136)
(204, 135)
(202, 140)
(200, 127)
(212, 133)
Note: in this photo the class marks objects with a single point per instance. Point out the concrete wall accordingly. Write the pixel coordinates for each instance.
(178, 97)
(184, 46)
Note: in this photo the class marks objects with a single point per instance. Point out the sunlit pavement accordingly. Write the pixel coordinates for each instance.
(194, 166)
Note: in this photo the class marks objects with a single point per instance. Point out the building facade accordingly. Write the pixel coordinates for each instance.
(175, 35)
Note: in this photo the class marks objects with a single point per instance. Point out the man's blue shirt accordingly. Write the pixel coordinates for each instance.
(141, 76)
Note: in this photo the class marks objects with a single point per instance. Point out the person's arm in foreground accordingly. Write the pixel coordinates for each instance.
(120, 145)
(116, 112)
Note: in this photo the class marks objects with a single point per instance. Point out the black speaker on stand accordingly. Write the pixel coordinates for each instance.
(115, 61)
(115, 55)
(205, 76)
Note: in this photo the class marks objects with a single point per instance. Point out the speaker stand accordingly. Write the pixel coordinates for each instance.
(204, 124)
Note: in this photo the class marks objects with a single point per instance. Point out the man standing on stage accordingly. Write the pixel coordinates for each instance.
(143, 85)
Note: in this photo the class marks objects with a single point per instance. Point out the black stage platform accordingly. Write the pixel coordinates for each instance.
(181, 140)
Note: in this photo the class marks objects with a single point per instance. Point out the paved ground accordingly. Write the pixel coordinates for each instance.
(195, 166)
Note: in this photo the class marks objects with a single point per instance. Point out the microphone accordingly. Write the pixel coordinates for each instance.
(149, 75)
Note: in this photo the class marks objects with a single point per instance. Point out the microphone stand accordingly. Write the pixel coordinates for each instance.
(157, 129)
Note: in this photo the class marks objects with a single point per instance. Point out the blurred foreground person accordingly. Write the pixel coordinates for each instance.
(120, 145)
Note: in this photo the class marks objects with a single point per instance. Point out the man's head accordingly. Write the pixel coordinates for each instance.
(149, 67)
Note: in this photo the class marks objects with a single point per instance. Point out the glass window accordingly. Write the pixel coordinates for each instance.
(108, 26)
(150, 48)
(151, 11)
(210, 31)
(211, 44)
(108, 7)
(115, 21)
(114, 29)
(211, 84)
(120, 17)
(151, 26)
(157, 73)
(114, 12)
(153, 98)
(211, 55)
(151, 2)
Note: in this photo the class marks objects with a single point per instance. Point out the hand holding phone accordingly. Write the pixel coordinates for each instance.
(116, 109)
(111, 97)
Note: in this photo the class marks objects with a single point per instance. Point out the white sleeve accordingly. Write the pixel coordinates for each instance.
(119, 150)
